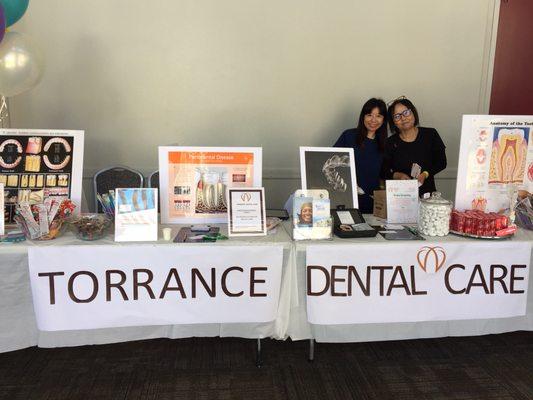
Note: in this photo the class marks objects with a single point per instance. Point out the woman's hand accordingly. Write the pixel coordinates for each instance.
(400, 176)
(422, 177)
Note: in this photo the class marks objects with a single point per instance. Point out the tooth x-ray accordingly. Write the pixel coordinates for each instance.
(333, 169)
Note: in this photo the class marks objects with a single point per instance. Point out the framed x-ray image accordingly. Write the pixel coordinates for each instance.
(333, 169)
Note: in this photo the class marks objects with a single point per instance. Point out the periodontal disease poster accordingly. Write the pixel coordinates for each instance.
(193, 180)
(495, 159)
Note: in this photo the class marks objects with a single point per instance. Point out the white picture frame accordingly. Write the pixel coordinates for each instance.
(214, 169)
(246, 212)
(480, 183)
(332, 169)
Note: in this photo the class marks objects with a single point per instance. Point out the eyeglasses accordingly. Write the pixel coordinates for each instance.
(405, 113)
(396, 99)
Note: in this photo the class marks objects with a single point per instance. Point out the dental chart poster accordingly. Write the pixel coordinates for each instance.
(36, 164)
(332, 169)
(193, 180)
(495, 158)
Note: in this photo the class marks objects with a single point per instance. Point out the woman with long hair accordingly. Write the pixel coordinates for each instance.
(368, 141)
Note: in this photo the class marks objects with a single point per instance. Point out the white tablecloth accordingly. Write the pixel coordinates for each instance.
(17, 319)
(18, 327)
(299, 328)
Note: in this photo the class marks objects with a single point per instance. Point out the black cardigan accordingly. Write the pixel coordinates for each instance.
(427, 150)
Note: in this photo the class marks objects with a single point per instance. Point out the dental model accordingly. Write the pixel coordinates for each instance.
(33, 163)
(51, 180)
(331, 174)
(31, 181)
(58, 141)
(4, 163)
(34, 145)
(62, 180)
(12, 180)
(53, 166)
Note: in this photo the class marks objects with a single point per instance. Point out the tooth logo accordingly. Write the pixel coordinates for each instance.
(481, 156)
(431, 259)
(246, 197)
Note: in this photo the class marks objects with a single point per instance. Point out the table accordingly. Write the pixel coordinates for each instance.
(300, 329)
(18, 327)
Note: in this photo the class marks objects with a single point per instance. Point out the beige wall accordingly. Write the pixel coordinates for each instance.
(279, 74)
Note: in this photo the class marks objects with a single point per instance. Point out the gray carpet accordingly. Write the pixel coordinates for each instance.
(485, 367)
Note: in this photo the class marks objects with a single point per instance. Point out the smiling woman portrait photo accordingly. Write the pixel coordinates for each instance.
(305, 217)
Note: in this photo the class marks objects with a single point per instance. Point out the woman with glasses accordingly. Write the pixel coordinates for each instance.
(412, 152)
(368, 142)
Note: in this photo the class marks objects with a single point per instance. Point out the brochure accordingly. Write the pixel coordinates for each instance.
(402, 201)
(311, 215)
(135, 215)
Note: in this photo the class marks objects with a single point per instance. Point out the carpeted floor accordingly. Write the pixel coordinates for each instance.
(486, 367)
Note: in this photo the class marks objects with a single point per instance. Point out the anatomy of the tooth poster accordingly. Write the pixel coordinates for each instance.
(333, 169)
(135, 215)
(193, 180)
(495, 159)
(36, 164)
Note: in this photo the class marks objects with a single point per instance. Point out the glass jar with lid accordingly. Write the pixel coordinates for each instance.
(434, 215)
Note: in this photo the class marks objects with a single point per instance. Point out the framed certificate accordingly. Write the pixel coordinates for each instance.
(246, 212)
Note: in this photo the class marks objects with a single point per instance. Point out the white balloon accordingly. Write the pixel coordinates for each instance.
(21, 64)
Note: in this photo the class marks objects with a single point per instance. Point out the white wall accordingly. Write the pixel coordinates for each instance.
(279, 74)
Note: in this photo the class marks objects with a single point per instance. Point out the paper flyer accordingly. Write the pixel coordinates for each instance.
(36, 164)
(194, 180)
(495, 158)
(135, 215)
(402, 201)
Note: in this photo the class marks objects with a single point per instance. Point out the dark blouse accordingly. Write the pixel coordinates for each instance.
(427, 150)
(368, 160)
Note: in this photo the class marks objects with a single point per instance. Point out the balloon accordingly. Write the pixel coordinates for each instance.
(2, 22)
(21, 64)
(14, 10)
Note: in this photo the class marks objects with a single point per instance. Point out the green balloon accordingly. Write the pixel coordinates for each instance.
(14, 10)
